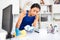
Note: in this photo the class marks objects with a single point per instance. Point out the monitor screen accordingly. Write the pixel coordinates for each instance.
(7, 18)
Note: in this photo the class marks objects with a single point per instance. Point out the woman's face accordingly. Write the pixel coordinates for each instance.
(34, 11)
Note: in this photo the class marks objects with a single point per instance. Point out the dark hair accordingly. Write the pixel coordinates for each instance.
(36, 5)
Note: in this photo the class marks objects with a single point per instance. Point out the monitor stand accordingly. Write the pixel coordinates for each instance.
(9, 36)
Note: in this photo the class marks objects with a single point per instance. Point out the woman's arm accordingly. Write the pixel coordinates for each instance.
(21, 16)
(36, 21)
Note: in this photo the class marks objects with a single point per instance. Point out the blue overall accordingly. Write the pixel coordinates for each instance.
(27, 20)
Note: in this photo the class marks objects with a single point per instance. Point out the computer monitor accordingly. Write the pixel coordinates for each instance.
(7, 19)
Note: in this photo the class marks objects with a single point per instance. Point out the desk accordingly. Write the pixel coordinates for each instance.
(41, 36)
(3, 34)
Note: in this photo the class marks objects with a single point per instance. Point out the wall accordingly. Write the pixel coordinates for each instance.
(22, 3)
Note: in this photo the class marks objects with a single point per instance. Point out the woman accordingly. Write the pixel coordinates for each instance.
(28, 17)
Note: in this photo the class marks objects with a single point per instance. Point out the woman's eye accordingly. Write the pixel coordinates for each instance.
(34, 10)
(37, 12)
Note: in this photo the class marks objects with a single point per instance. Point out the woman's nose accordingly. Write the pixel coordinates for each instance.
(35, 12)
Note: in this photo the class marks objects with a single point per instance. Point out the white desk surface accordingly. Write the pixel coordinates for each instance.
(3, 34)
(41, 36)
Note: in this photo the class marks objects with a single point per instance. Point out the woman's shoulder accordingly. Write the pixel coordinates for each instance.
(23, 12)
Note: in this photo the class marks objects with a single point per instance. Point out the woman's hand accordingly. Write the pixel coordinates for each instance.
(17, 32)
(35, 21)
